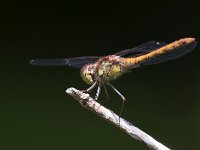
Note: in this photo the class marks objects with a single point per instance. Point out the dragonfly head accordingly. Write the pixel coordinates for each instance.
(88, 73)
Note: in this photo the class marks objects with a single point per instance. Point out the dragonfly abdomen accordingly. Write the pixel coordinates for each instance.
(158, 52)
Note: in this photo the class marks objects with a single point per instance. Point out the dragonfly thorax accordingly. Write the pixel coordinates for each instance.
(109, 68)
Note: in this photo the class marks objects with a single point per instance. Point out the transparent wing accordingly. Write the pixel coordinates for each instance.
(176, 53)
(143, 48)
(76, 62)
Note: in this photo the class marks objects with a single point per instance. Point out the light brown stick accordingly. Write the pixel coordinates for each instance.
(89, 103)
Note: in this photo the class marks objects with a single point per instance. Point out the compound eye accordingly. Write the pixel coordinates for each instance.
(87, 74)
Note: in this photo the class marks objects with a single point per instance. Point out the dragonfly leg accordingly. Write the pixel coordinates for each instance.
(122, 97)
(91, 87)
(98, 92)
(106, 91)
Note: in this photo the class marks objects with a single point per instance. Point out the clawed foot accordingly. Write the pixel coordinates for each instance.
(84, 91)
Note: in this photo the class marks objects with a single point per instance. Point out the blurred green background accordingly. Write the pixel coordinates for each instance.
(35, 111)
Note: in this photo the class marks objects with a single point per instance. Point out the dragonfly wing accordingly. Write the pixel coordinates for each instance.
(146, 47)
(178, 52)
(76, 62)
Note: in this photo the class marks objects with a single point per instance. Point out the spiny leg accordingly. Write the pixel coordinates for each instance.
(122, 97)
(105, 89)
(91, 87)
(98, 92)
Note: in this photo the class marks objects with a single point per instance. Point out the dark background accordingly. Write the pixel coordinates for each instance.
(35, 111)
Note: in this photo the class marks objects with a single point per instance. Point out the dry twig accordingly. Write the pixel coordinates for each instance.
(89, 103)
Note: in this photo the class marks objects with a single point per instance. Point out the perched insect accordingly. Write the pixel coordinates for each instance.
(99, 71)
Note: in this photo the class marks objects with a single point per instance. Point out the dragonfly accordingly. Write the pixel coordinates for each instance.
(100, 71)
